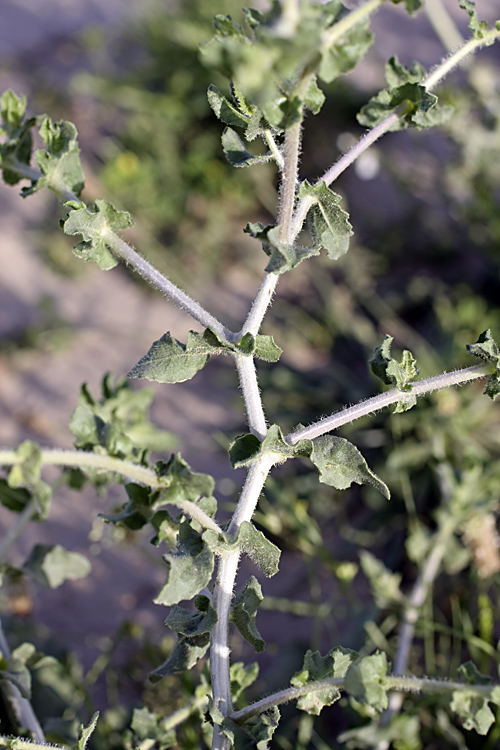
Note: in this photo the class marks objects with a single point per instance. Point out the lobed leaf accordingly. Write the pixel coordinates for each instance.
(398, 374)
(316, 667)
(330, 226)
(421, 108)
(59, 162)
(16, 150)
(179, 483)
(364, 681)
(194, 637)
(487, 350)
(478, 28)
(244, 610)
(95, 227)
(27, 474)
(412, 6)
(52, 565)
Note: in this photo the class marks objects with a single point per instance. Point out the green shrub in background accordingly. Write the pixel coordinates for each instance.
(440, 455)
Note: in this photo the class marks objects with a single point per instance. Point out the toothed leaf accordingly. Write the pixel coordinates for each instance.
(487, 350)
(97, 228)
(316, 667)
(330, 226)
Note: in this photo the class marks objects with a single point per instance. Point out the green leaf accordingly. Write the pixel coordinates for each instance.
(186, 622)
(385, 585)
(487, 350)
(28, 474)
(12, 108)
(237, 154)
(242, 676)
(85, 733)
(187, 652)
(264, 553)
(19, 144)
(316, 667)
(343, 56)
(59, 162)
(118, 422)
(266, 349)
(251, 541)
(179, 483)
(281, 257)
(52, 565)
(478, 28)
(170, 361)
(190, 568)
(225, 110)
(412, 6)
(364, 681)
(421, 108)
(255, 734)
(330, 226)
(245, 449)
(97, 228)
(398, 374)
(148, 726)
(340, 464)
(314, 98)
(13, 499)
(244, 610)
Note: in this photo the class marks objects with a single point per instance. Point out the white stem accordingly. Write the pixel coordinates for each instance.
(251, 395)
(273, 147)
(167, 287)
(223, 595)
(135, 472)
(376, 403)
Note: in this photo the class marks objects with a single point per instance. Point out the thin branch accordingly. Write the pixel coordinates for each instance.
(435, 77)
(134, 472)
(408, 684)
(375, 403)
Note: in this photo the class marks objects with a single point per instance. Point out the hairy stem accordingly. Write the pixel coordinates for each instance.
(371, 405)
(223, 595)
(435, 77)
(391, 682)
(164, 285)
(134, 472)
(251, 395)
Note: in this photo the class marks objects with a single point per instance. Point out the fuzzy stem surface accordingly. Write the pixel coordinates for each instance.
(127, 469)
(373, 404)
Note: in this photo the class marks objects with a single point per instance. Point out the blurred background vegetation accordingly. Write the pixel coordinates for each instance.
(423, 267)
